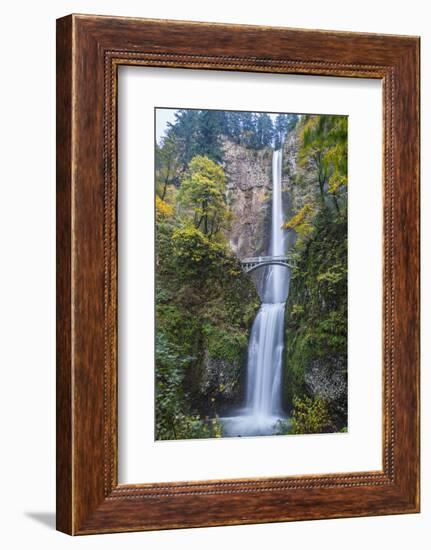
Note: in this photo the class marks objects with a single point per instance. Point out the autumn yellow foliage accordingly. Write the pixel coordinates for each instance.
(163, 209)
(301, 222)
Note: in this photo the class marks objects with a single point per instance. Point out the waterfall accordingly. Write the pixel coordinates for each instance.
(265, 354)
(265, 350)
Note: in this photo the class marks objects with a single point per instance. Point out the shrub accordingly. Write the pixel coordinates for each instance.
(310, 416)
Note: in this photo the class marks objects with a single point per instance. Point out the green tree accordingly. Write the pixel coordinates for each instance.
(233, 126)
(201, 197)
(185, 132)
(212, 125)
(167, 165)
(336, 154)
(324, 146)
(197, 256)
(248, 128)
(198, 132)
(264, 131)
(284, 123)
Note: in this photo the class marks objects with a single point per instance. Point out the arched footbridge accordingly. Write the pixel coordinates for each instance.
(250, 264)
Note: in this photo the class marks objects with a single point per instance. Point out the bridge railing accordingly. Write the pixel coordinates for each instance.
(259, 259)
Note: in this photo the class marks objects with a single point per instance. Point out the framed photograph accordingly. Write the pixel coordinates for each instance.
(237, 274)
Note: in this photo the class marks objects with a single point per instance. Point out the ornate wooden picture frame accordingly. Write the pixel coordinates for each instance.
(89, 51)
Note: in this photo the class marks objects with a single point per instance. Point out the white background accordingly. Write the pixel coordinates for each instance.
(141, 458)
(27, 274)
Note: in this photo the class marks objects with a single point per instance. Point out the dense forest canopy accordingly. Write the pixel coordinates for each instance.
(205, 303)
(200, 132)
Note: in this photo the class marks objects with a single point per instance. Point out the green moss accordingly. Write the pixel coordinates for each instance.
(226, 343)
(316, 311)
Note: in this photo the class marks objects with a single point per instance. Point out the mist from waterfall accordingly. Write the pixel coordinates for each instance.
(263, 407)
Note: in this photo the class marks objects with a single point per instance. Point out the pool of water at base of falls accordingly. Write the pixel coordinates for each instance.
(245, 424)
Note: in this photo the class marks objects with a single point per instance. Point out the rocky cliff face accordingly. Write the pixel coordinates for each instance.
(249, 175)
(249, 184)
(297, 180)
